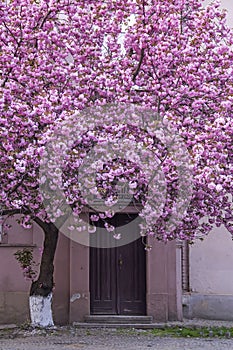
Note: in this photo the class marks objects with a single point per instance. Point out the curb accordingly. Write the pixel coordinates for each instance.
(8, 326)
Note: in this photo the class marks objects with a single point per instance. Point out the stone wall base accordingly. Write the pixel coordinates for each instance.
(208, 306)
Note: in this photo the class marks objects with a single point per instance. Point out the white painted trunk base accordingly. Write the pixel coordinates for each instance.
(41, 310)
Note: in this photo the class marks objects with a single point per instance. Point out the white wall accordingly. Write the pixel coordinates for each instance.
(211, 264)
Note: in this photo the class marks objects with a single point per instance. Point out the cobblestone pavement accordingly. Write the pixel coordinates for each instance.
(72, 338)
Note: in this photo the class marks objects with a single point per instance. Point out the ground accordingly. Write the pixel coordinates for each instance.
(71, 338)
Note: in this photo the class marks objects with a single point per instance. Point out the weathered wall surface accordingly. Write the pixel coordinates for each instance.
(211, 277)
(13, 287)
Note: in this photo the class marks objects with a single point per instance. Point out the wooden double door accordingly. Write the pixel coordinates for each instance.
(118, 275)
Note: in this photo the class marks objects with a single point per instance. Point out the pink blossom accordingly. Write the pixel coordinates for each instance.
(54, 67)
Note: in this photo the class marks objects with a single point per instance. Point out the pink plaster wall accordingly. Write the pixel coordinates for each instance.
(62, 281)
(71, 301)
(164, 300)
(14, 288)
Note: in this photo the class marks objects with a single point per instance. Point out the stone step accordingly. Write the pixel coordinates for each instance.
(115, 319)
(90, 325)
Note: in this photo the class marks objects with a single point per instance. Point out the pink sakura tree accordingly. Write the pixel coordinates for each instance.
(164, 71)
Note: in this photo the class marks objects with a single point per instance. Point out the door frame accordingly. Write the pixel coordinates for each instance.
(117, 303)
(163, 279)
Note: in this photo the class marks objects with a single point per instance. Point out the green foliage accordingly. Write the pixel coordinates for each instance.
(202, 332)
(27, 263)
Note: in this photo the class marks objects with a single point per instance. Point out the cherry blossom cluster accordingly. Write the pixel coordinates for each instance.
(61, 57)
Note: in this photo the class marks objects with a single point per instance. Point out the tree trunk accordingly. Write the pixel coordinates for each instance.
(40, 300)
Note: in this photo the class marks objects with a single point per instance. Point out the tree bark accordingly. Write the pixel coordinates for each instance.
(43, 286)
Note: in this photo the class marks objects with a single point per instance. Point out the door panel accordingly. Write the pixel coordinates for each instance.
(102, 281)
(118, 275)
(132, 279)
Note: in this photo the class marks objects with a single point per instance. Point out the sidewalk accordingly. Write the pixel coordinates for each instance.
(14, 337)
(189, 323)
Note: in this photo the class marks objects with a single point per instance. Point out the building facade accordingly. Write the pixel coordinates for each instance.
(126, 280)
(207, 277)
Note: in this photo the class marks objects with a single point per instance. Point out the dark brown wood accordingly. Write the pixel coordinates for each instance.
(118, 275)
(131, 279)
(102, 277)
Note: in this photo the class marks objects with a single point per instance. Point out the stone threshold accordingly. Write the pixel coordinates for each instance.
(119, 325)
(118, 319)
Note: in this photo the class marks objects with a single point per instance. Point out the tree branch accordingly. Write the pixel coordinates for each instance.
(10, 212)
(135, 74)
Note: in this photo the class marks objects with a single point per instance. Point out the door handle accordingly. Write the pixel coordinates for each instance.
(120, 261)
